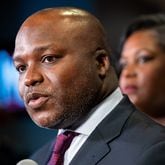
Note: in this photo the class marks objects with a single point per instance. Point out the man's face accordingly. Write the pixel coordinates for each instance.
(58, 77)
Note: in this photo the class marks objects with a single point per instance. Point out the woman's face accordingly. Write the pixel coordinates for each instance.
(143, 71)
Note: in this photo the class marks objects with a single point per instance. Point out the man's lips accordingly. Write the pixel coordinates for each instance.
(36, 100)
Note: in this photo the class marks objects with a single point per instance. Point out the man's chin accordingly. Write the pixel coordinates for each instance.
(50, 124)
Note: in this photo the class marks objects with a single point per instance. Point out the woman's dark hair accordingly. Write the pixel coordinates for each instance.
(155, 22)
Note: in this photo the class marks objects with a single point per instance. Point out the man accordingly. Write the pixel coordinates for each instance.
(67, 82)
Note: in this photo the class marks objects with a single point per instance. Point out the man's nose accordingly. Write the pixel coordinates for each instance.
(33, 76)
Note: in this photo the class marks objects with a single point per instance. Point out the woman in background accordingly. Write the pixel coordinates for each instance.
(142, 62)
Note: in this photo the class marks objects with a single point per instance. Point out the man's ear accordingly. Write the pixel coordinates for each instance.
(102, 62)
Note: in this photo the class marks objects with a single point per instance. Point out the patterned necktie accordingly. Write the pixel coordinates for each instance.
(63, 142)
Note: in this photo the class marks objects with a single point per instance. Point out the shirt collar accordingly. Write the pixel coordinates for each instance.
(99, 113)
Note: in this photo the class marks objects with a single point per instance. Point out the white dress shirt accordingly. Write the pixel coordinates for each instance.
(100, 112)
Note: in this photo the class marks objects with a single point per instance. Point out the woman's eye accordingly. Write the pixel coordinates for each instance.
(144, 59)
(122, 65)
(49, 59)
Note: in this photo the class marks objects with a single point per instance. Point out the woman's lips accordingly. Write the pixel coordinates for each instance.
(37, 102)
(131, 89)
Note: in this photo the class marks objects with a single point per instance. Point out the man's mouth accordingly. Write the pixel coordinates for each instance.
(36, 100)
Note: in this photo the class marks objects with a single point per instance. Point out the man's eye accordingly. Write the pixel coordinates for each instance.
(49, 59)
(21, 68)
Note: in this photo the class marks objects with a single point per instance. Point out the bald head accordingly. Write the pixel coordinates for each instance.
(80, 24)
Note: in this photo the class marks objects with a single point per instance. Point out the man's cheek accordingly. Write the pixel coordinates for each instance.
(21, 91)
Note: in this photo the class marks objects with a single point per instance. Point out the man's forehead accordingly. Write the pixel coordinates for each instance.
(69, 29)
(63, 21)
(48, 29)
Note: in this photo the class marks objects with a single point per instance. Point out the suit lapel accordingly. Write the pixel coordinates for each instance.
(94, 148)
(97, 145)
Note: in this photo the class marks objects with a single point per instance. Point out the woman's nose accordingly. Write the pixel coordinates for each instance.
(129, 71)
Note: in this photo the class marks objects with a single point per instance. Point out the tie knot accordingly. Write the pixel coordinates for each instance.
(63, 142)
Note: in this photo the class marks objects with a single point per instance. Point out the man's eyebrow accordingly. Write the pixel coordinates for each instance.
(16, 57)
(42, 48)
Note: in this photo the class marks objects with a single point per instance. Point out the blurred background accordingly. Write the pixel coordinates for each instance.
(16, 128)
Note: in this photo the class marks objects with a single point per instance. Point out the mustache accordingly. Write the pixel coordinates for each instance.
(34, 93)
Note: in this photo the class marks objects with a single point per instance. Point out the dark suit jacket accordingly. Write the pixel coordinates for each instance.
(125, 137)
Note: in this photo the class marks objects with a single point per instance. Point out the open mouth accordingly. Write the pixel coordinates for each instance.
(36, 100)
